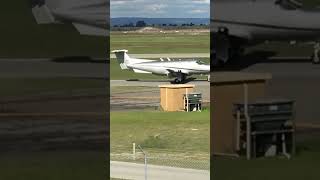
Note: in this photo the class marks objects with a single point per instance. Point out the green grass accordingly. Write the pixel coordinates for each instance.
(117, 73)
(34, 86)
(172, 131)
(54, 165)
(310, 3)
(22, 37)
(305, 165)
(152, 43)
(284, 49)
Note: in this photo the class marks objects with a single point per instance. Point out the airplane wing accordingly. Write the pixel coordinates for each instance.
(140, 71)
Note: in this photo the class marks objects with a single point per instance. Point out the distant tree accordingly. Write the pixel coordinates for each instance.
(191, 24)
(164, 24)
(131, 25)
(115, 26)
(141, 24)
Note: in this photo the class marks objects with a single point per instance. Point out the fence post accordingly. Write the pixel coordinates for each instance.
(145, 162)
(134, 151)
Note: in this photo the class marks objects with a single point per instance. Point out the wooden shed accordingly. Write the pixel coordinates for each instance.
(171, 96)
(226, 88)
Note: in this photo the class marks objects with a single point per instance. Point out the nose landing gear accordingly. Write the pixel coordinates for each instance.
(180, 78)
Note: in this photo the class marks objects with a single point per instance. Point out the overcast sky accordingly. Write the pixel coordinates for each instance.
(161, 8)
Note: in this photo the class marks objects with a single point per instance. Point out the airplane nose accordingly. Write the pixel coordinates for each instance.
(207, 68)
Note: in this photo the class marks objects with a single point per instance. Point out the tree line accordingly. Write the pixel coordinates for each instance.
(144, 24)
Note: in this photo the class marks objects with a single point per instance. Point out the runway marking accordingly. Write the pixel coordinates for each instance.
(121, 97)
(53, 114)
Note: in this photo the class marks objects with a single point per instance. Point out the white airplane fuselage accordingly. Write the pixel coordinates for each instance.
(265, 20)
(237, 24)
(167, 67)
(179, 69)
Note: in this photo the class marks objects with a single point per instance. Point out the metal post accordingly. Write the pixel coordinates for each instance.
(246, 114)
(145, 162)
(238, 130)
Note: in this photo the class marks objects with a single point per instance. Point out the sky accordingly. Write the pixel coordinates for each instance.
(160, 8)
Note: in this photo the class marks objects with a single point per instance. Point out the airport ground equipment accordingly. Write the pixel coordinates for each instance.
(192, 102)
(226, 89)
(171, 96)
(265, 127)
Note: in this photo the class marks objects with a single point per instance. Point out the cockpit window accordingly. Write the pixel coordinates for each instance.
(200, 62)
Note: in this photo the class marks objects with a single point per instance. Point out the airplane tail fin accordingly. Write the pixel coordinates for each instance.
(122, 57)
(42, 14)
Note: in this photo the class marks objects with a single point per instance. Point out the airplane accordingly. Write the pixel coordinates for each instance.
(178, 69)
(88, 17)
(237, 24)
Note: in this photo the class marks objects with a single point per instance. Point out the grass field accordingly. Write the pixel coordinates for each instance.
(171, 131)
(151, 43)
(305, 165)
(54, 165)
(283, 49)
(116, 73)
(310, 3)
(22, 37)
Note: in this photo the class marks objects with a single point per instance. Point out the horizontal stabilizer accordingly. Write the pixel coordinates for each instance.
(43, 15)
(140, 71)
(90, 30)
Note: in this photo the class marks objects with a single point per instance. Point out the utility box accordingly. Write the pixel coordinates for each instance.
(192, 102)
(265, 127)
(171, 96)
(226, 89)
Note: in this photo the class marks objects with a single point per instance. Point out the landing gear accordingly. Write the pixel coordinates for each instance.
(180, 78)
(315, 56)
(220, 46)
(177, 81)
(225, 47)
